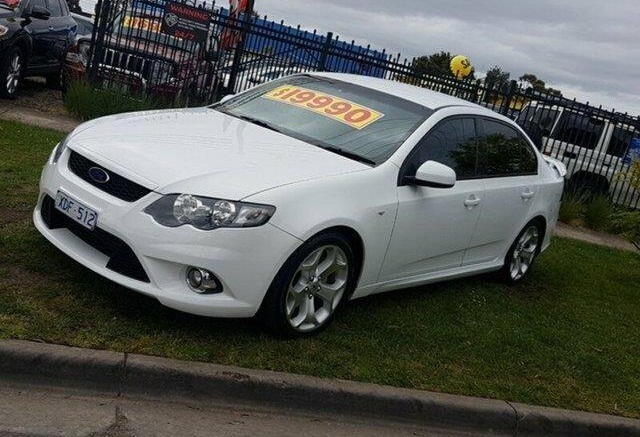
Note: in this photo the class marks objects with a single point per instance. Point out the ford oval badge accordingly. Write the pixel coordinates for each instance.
(98, 175)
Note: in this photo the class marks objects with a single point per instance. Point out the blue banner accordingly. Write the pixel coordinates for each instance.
(634, 151)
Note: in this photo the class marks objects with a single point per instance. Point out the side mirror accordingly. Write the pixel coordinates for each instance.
(40, 13)
(227, 98)
(433, 174)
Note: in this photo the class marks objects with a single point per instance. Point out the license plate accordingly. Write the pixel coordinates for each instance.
(76, 210)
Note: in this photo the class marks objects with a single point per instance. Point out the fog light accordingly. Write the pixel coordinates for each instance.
(203, 281)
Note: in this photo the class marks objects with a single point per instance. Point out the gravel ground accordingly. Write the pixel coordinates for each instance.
(35, 95)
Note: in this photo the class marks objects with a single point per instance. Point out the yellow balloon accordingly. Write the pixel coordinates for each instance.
(461, 66)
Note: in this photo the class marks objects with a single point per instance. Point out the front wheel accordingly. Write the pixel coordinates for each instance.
(522, 254)
(311, 287)
(11, 70)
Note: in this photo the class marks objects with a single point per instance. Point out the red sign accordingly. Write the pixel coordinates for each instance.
(186, 22)
(231, 36)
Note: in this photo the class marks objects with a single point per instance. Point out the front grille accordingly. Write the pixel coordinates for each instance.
(149, 69)
(117, 186)
(122, 260)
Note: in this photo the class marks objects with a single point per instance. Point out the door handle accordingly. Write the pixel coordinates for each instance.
(472, 201)
(528, 194)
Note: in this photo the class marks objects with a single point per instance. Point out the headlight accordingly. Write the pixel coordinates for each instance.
(57, 152)
(3, 30)
(204, 213)
(79, 54)
(161, 72)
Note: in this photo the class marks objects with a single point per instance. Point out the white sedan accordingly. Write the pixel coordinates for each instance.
(297, 195)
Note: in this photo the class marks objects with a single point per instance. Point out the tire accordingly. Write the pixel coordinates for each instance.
(54, 80)
(300, 287)
(587, 187)
(11, 71)
(522, 253)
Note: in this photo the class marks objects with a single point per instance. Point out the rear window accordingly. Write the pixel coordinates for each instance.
(545, 118)
(579, 129)
(332, 113)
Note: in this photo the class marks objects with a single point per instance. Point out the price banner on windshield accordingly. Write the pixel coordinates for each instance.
(345, 111)
(186, 22)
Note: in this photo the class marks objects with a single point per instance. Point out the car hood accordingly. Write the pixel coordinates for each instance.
(204, 152)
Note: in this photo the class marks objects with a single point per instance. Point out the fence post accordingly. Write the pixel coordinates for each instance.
(508, 97)
(237, 56)
(322, 62)
(103, 11)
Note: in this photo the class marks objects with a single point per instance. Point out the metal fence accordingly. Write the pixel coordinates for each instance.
(132, 50)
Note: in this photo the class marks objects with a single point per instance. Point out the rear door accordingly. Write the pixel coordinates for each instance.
(509, 168)
(61, 28)
(434, 226)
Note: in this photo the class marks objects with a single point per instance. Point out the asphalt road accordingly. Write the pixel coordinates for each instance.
(39, 411)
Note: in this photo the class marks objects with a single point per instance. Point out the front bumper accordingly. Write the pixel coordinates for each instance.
(245, 260)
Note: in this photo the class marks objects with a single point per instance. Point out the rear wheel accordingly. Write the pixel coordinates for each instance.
(11, 71)
(311, 287)
(522, 253)
(54, 80)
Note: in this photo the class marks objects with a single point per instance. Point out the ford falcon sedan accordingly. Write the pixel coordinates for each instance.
(296, 196)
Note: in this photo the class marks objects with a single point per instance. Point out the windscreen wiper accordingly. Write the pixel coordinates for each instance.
(348, 154)
(254, 121)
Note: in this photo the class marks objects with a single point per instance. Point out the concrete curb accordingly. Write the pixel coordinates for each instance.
(142, 376)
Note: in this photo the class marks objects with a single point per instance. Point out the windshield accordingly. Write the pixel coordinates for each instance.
(145, 25)
(11, 4)
(331, 114)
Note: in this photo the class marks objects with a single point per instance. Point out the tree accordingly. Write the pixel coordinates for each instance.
(437, 64)
(538, 84)
(497, 79)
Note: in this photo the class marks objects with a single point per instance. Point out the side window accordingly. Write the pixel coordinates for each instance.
(579, 129)
(504, 152)
(55, 8)
(41, 3)
(620, 141)
(452, 143)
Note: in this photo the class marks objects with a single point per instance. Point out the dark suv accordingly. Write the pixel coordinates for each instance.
(34, 38)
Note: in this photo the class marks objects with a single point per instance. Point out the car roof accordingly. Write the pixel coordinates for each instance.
(422, 96)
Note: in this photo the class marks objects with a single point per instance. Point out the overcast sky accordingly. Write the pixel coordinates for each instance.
(589, 49)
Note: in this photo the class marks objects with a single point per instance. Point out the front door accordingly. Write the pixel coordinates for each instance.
(42, 36)
(434, 226)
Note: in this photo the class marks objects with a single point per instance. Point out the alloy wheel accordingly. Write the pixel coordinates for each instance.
(317, 288)
(524, 253)
(13, 73)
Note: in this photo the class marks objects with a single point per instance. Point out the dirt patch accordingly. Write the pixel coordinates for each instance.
(12, 276)
(12, 215)
(34, 94)
(594, 237)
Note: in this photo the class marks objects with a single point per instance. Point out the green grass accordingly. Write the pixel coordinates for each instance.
(597, 212)
(571, 208)
(569, 336)
(86, 102)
